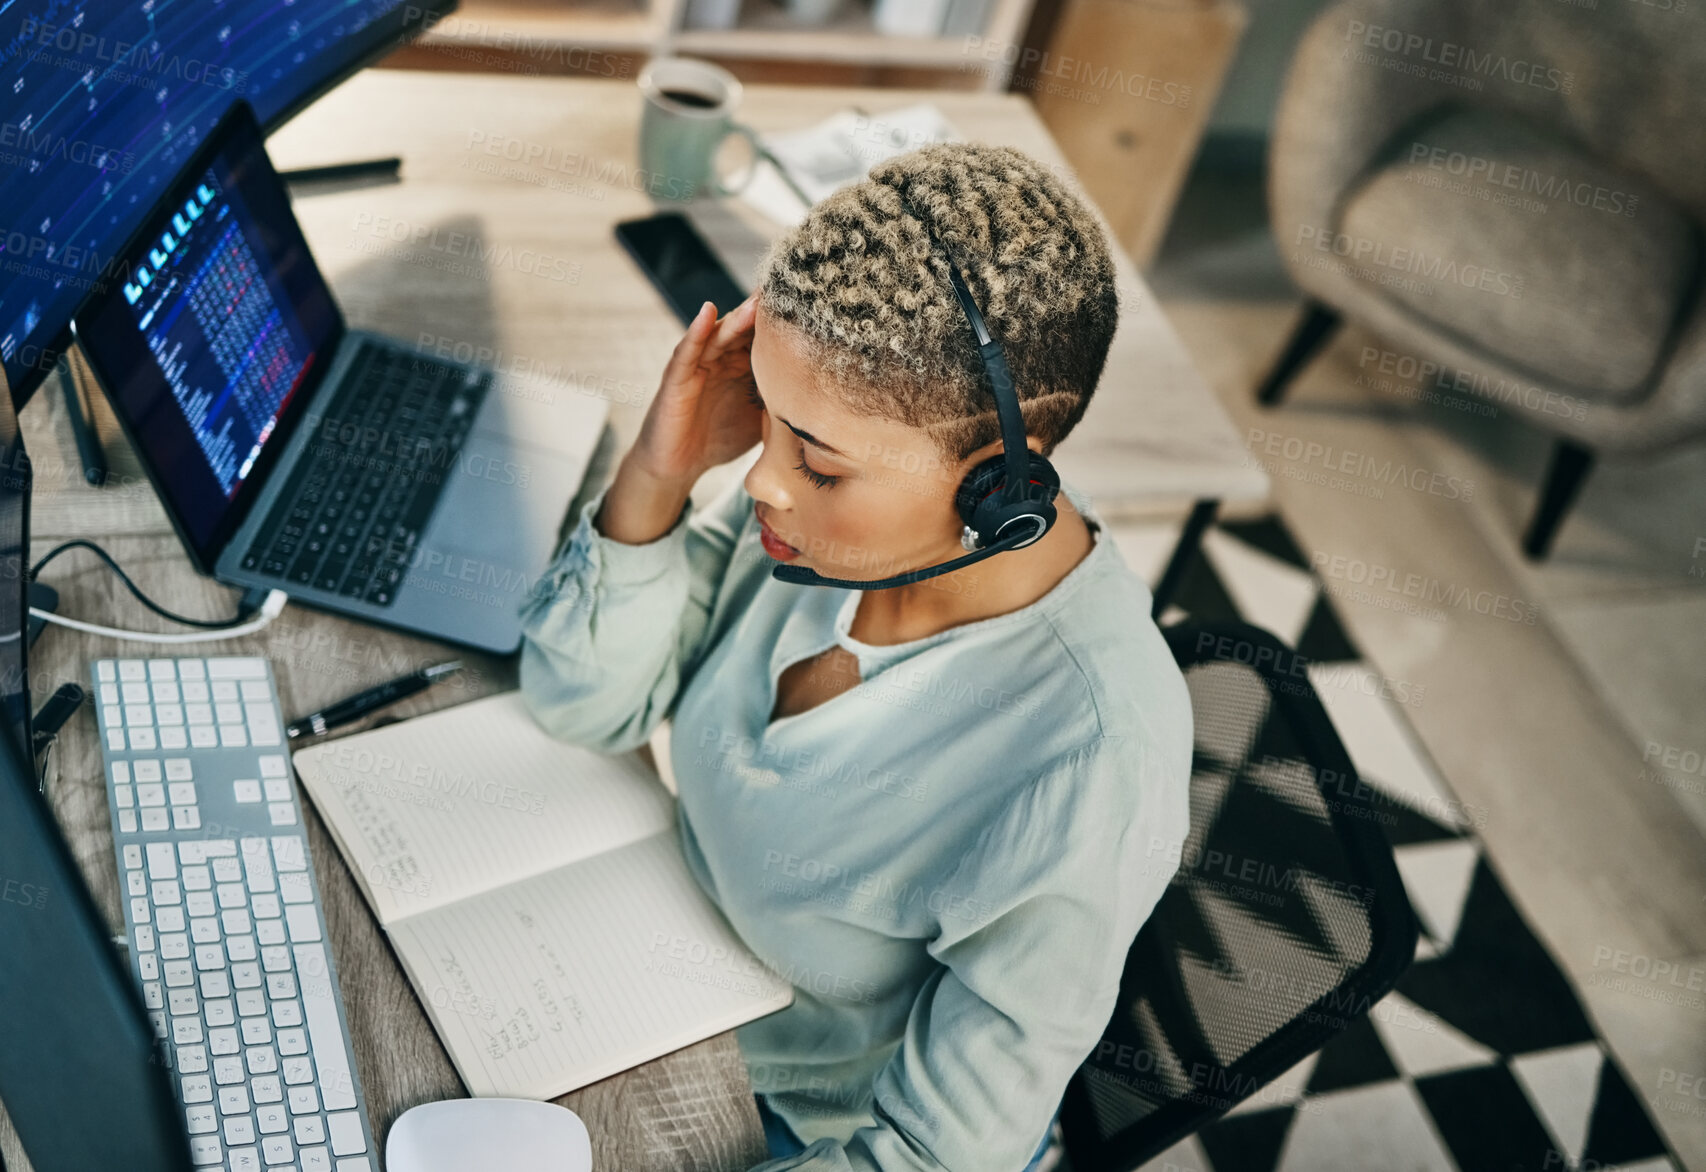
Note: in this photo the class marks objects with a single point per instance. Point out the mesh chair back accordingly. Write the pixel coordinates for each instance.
(1285, 920)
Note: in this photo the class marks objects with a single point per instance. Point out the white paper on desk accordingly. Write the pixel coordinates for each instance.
(840, 150)
(536, 895)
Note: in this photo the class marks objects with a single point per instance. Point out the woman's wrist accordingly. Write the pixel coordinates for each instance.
(639, 508)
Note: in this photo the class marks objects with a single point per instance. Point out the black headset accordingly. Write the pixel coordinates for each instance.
(1006, 502)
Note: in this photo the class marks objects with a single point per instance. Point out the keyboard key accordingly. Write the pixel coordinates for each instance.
(174, 945)
(345, 1130)
(139, 715)
(272, 1118)
(275, 959)
(168, 714)
(152, 996)
(282, 813)
(196, 877)
(198, 1088)
(162, 669)
(195, 692)
(215, 984)
(127, 821)
(173, 738)
(192, 1059)
(166, 692)
(289, 853)
(239, 1130)
(240, 948)
(182, 1001)
(139, 911)
(202, 736)
(178, 972)
(269, 932)
(179, 769)
(104, 669)
(273, 765)
(303, 1101)
(295, 888)
(133, 857)
(265, 907)
(224, 1041)
(186, 818)
(157, 1019)
(358, 1164)
(296, 1072)
(181, 793)
(136, 883)
(235, 668)
(186, 1031)
(321, 1011)
(147, 769)
(121, 772)
(112, 714)
(132, 669)
(199, 903)
(275, 1149)
(124, 796)
(198, 714)
(229, 712)
(231, 736)
(246, 976)
(227, 870)
(245, 1160)
(109, 694)
(205, 1150)
(263, 724)
(154, 820)
(201, 1118)
(315, 1159)
(231, 895)
(209, 957)
(224, 690)
(233, 1101)
(151, 795)
(261, 1060)
(256, 1031)
(277, 789)
(191, 669)
(247, 790)
(148, 966)
(162, 861)
(142, 739)
(251, 1002)
(228, 1071)
(304, 923)
(144, 938)
(220, 1013)
(257, 864)
(115, 739)
(291, 1042)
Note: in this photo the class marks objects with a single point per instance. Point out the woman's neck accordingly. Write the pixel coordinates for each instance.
(997, 585)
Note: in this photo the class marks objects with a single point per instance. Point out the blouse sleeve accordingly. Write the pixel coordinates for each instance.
(1029, 969)
(609, 627)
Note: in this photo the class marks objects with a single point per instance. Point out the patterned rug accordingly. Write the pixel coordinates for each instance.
(1482, 1059)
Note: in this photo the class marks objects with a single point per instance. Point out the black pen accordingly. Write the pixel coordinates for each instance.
(362, 703)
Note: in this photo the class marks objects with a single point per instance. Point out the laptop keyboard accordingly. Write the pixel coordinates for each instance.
(352, 513)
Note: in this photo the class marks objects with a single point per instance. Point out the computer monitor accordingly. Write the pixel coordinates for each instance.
(102, 102)
(81, 1074)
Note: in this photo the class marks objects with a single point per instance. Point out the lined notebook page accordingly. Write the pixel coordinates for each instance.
(471, 798)
(574, 975)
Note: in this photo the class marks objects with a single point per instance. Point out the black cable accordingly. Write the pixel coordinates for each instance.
(244, 610)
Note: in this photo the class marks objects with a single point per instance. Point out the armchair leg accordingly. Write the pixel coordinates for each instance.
(1570, 465)
(1318, 325)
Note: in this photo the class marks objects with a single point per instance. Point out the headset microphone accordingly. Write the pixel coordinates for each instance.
(1006, 502)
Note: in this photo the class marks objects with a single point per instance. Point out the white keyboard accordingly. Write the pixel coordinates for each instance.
(223, 916)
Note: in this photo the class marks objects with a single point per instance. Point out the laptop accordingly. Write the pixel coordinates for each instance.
(293, 452)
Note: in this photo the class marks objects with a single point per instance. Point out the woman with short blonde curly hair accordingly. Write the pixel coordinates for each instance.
(940, 810)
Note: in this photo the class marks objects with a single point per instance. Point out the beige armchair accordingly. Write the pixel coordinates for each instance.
(1510, 193)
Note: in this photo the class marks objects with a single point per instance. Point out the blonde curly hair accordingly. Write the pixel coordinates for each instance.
(867, 293)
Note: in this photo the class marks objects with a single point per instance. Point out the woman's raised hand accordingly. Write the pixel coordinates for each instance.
(703, 415)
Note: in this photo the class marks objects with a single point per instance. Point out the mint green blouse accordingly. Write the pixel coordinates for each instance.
(948, 861)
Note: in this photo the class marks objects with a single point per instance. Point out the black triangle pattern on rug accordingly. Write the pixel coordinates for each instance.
(1494, 982)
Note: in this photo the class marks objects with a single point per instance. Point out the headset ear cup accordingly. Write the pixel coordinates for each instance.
(979, 498)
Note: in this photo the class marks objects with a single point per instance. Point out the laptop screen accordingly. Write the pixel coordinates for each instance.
(211, 331)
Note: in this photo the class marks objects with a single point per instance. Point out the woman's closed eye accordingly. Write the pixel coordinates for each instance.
(818, 479)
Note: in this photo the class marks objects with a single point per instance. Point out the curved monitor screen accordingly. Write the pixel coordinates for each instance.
(103, 101)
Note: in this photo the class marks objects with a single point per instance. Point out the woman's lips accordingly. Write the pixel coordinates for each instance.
(773, 545)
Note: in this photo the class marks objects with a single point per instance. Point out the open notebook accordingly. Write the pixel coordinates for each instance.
(537, 896)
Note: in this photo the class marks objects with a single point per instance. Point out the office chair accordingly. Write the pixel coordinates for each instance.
(1285, 921)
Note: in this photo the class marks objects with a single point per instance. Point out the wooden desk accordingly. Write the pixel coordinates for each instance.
(516, 266)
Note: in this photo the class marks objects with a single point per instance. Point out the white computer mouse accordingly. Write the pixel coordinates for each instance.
(479, 1135)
